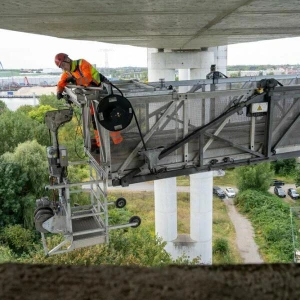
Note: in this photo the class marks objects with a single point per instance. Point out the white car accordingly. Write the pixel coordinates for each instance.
(230, 193)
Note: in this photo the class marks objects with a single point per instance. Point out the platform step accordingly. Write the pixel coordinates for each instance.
(85, 223)
(87, 239)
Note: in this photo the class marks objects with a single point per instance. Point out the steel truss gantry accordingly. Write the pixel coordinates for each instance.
(217, 124)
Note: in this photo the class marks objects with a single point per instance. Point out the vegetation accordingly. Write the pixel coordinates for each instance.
(224, 237)
(23, 175)
(257, 67)
(16, 128)
(3, 107)
(270, 217)
(285, 167)
(255, 177)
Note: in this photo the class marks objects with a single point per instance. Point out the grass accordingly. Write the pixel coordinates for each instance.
(227, 180)
(142, 204)
(224, 229)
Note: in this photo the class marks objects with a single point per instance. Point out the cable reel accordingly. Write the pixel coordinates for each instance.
(114, 112)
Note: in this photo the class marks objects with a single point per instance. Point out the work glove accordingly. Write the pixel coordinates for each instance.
(71, 80)
(59, 96)
(104, 79)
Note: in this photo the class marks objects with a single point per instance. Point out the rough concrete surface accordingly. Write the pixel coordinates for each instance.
(20, 281)
(161, 24)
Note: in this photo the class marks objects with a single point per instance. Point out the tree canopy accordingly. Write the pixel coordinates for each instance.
(256, 177)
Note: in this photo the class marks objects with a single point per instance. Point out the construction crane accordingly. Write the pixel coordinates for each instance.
(26, 81)
(105, 51)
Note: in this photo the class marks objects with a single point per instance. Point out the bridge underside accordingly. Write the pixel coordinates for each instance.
(156, 24)
(186, 133)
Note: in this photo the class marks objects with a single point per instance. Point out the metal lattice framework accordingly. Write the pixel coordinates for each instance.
(295, 223)
(209, 127)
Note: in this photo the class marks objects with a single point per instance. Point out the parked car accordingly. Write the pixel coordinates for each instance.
(293, 193)
(218, 192)
(230, 193)
(277, 182)
(278, 190)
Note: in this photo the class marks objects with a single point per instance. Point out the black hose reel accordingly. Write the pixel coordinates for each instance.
(114, 112)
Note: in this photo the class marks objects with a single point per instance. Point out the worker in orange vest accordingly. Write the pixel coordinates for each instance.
(81, 72)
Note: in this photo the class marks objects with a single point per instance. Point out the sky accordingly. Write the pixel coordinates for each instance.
(24, 50)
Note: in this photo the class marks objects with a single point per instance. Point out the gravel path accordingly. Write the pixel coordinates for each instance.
(244, 235)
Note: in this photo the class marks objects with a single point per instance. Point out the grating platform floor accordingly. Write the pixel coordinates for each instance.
(86, 223)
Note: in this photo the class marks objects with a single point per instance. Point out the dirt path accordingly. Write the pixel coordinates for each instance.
(244, 235)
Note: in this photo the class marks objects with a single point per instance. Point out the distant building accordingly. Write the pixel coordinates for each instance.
(251, 73)
(52, 71)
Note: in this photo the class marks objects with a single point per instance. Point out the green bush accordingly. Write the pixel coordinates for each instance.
(130, 246)
(285, 167)
(256, 177)
(6, 254)
(221, 246)
(17, 238)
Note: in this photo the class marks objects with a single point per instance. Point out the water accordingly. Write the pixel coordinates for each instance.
(14, 103)
(35, 80)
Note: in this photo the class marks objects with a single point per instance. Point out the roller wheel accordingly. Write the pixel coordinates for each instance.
(43, 207)
(120, 202)
(137, 220)
(40, 217)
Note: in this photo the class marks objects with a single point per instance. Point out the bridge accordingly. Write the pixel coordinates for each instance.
(199, 127)
(162, 24)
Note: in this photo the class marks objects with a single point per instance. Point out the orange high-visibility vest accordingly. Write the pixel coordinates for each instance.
(84, 74)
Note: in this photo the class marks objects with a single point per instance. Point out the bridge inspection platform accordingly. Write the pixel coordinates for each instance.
(135, 132)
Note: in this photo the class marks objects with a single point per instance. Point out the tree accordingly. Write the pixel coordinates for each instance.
(25, 109)
(23, 177)
(285, 166)
(12, 185)
(39, 113)
(51, 101)
(17, 128)
(254, 177)
(31, 156)
(297, 178)
(3, 107)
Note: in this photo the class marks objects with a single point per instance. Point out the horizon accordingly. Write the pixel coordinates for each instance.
(29, 68)
(28, 51)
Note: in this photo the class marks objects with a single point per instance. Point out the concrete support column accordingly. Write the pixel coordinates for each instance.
(220, 58)
(201, 209)
(199, 71)
(191, 65)
(165, 193)
(156, 67)
(166, 210)
(183, 74)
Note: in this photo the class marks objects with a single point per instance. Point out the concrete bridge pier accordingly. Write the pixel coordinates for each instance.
(198, 244)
